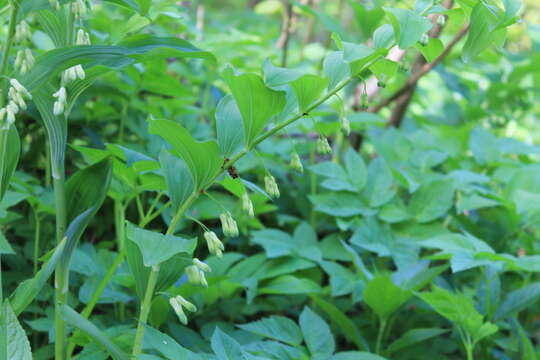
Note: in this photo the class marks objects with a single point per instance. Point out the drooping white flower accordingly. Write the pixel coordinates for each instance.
(61, 100)
(271, 186)
(215, 246)
(83, 38)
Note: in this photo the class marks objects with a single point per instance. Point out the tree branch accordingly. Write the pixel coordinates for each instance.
(423, 70)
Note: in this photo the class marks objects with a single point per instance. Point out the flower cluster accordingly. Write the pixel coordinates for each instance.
(215, 246)
(24, 61)
(296, 163)
(247, 205)
(271, 187)
(22, 32)
(196, 272)
(228, 224)
(178, 304)
(323, 147)
(61, 100)
(16, 95)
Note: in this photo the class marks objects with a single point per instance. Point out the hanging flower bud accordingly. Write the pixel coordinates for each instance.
(83, 38)
(228, 224)
(73, 73)
(79, 72)
(441, 20)
(345, 126)
(177, 307)
(54, 4)
(78, 8)
(24, 61)
(189, 306)
(16, 97)
(271, 186)
(60, 103)
(424, 39)
(11, 111)
(247, 205)
(365, 101)
(296, 163)
(4, 125)
(19, 59)
(22, 32)
(215, 246)
(323, 147)
(204, 267)
(21, 89)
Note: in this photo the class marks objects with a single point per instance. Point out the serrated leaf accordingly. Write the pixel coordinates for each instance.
(383, 296)
(317, 334)
(277, 328)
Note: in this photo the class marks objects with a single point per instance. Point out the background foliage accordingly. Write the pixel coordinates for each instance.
(385, 148)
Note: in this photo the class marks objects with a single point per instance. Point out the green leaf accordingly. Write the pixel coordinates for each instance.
(380, 184)
(408, 25)
(518, 300)
(228, 123)
(257, 103)
(383, 296)
(432, 50)
(5, 248)
(177, 177)
(289, 284)
(359, 56)
(412, 337)
(483, 29)
(157, 248)
(317, 335)
(335, 68)
(356, 169)
(308, 89)
(460, 310)
(347, 327)
(136, 48)
(225, 347)
(342, 204)
(367, 19)
(202, 158)
(277, 328)
(87, 188)
(27, 291)
(356, 355)
(9, 140)
(17, 346)
(432, 200)
(277, 76)
(167, 346)
(73, 318)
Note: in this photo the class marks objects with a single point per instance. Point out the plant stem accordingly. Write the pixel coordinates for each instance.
(152, 280)
(145, 311)
(469, 349)
(380, 336)
(37, 235)
(60, 275)
(7, 47)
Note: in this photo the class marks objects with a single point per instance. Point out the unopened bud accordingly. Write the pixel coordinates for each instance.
(247, 205)
(54, 4)
(215, 246)
(271, 186)
(424, 39)
(83, 38)
(78, 9)
(323, 147)
(441, 20)
(189, 306)
(345, 126)
(22, 32)
(296, 163)
(230, 228)
(196, 275)
(177, 307)
(204, 267)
